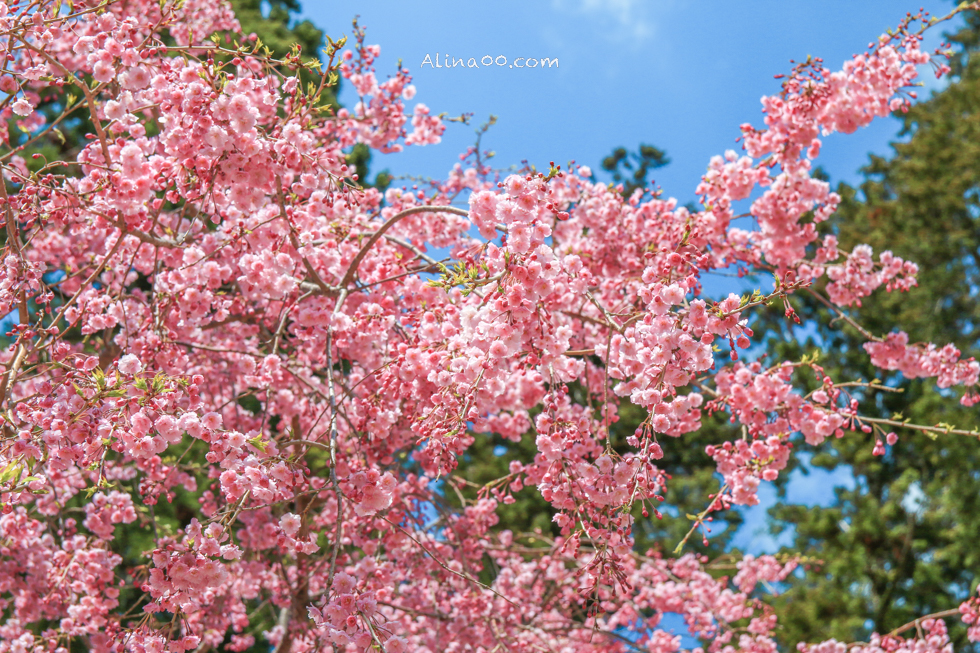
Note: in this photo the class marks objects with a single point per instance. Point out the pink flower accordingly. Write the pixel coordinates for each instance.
(397, 645)
(373, 500)
(130, 365)
(211, 420)
(343, 583)
(135, 78)
(289, 523)
(387, 483)
(515, 185)
(104, 72)
(114, 110)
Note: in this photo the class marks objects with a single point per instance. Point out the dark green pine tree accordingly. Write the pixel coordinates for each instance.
(631, 169)
(277, 28)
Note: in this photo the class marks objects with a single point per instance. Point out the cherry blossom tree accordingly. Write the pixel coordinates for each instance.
(207, 304)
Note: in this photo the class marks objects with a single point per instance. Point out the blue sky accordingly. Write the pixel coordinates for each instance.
(681, 75)
(678, 74)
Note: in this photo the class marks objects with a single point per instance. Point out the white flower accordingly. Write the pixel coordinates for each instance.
(130, 365)
(22, 107)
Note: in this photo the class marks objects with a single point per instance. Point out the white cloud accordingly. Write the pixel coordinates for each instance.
(627, 18)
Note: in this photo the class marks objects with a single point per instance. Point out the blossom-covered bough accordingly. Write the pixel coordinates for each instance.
(205, 303)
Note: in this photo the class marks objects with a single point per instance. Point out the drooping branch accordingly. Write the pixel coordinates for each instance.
(324, 288)
(393, 220)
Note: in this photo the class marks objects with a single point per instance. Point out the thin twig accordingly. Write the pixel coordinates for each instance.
(444, 566)
(918, 427)
(842, 315)
(324, 288)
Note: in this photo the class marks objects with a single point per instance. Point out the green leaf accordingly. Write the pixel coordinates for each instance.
(11, 472)
(158, 383)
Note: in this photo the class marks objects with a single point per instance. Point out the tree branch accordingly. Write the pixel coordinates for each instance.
(376, 236)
